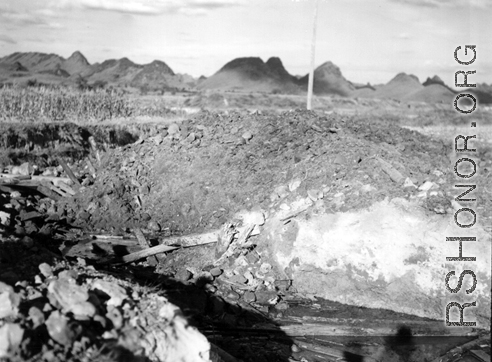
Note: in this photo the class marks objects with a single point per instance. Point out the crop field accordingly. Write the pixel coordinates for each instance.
(45, 104)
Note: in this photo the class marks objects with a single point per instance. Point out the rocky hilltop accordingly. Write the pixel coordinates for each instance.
(328, 79)
(254, 75)
(54, 69)
(245, 74)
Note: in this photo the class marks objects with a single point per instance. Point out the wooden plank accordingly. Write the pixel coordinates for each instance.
(69, 172)
(47, 192)
(460, 350)
(183, 241)
(15, 177)
(65, 187)
(145, 244)
(146, 253)
(337, 353)
(36, 177)
(59, 191)
(192, 239)
(303, 330)
(481, 355)
(427, 327)
(294, 213)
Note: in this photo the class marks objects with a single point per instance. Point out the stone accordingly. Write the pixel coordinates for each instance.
(46, 270)
(210, 288)
(282, 191)
(250, 277)
(168, 311)
(255, 217)
(117, 294)
(7, 306)
(249, 297)
(9, 301)
(266, 297)
(60, 330)
(367, 188)
(4, 218)
(183, 275)
(173, 129)
(295, 348)
(282, 285)
(215, 272)
(115, 316)
(247, 136)
(25, 169)
(176, 342)
(294, 184)
(238, 278)
(70, 275)
(10, 338)
(282, 306)
(315, 194)
(71, 297)
(36, 316)
(408, 184)
(157, 139)
(427, 185)
(83, 310)
(232, 296)
(265, 268)
(191, 137)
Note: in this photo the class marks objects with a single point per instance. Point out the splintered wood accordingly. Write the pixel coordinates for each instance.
(144, 243)
(178, 242)
(231, 246)
(53, 187)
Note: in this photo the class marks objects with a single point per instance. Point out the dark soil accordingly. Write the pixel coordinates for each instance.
(197, 179)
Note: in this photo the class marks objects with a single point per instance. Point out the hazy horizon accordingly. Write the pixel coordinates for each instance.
(371, 41)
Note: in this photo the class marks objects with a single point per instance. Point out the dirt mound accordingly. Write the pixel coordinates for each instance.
(218, 164)
(193, 176)
(328, 79)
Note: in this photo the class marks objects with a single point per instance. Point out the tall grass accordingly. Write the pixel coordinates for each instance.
(63, 104)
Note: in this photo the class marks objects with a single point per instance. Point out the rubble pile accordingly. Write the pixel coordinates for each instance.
(213, 209)
(78, 313)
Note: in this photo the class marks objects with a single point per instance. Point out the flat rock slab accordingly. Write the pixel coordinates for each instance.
(391, 256)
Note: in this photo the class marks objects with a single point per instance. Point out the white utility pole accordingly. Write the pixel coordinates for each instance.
(313, 46)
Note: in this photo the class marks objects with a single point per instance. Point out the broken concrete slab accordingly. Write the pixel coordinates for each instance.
(391, 255)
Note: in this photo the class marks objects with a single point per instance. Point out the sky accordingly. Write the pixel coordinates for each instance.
(370, 40)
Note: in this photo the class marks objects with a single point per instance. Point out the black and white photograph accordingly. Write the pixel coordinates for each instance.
(245, 180)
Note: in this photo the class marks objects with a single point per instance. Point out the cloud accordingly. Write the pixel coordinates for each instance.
(7, 39)
(8, 16)
(450, 3)
(150, 7)
(39, 17)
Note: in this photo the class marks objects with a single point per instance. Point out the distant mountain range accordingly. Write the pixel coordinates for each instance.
(249, 74)
(53, 69)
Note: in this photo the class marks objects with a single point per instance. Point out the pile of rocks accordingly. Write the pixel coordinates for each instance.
(78, 313)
